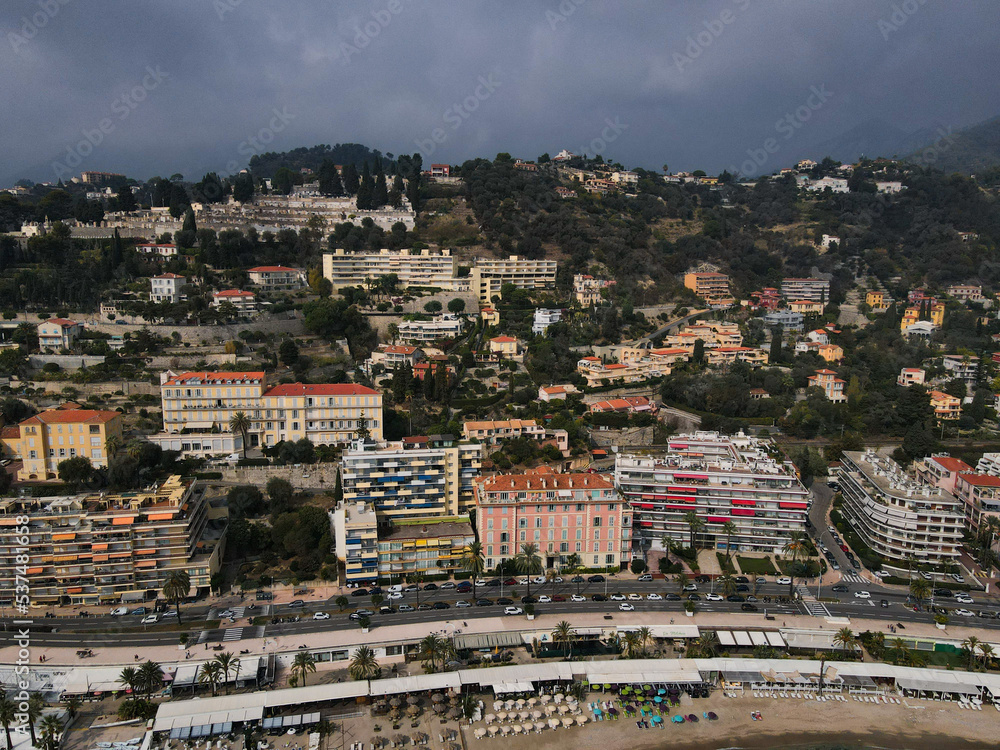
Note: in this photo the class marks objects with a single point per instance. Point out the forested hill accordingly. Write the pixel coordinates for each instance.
(265, 165)
(970, 151)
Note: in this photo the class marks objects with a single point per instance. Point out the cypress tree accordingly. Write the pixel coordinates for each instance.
(350, 179)
(381, 193)
(366, 190)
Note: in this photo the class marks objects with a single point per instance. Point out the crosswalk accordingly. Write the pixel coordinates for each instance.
(852, 578)
(216, 612)
(816, 609)
(232, 634)
(228, 635)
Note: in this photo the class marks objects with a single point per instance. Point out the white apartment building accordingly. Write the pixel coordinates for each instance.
(444, 326)
(244, 302)
(488, 275)
(426, 269)
(166, 288)
(719, 478)
(896, 515)
(543, 319)
(162, 251)
(55, 334)
(276, 278)
(814, 290)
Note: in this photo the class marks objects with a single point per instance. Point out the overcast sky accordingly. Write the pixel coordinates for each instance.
(184, 85)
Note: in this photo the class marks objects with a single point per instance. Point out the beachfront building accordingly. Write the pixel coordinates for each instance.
(896, 515)
(56, 334)
(276, 278)
(103, 548)
(46, 439)
(711, 287)
(355, 539)
(719, 478)
(443, 326)
(562, 514)
(429, 268)
(812, 289)
(588, 289)
(413, 477)
(424, 546)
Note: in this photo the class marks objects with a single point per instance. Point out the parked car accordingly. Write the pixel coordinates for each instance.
(654, 597)
(736, 598)
(673, 597)
(359, 592)
(713, 597)
(484, 602)
(529, 600)
(406, 608)
(748, 607)
(448, 585)
(595, 579)
(394, 595)
(957, 578)
(544, 599)
(783, 580)
(297, 604)
(119, 611)
(618, 597)
(424, 606)
(361, 613)
(599, 598)
(144, 611)
(558, 598)
(691, 587)
(645, 577)
(150, 619)
(386, 609)
(430, 587)
(462, 604)
(635, 597)
(504, 600)
(963, 613)
(577, 598)
(442, 605)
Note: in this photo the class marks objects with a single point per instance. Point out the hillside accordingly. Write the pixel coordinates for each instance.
(265, 165)
(968, 151)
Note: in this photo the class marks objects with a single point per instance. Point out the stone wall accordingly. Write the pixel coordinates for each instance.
(304, 477)
(65, 361)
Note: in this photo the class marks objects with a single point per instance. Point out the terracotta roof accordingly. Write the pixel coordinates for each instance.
(266, 269)
(542, 481)
(951, 464)
(504, 339)
(825, 372)
(554, 389)
(10, 431)
(939, 396)
(72, 416)
(169, 276)
(61, 322)
(321, 389)
(980, 480)
(399, 349)
(233, 293)
(215, 378)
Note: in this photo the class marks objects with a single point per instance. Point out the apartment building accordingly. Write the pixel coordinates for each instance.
(276, 278)
(814, 290)
(53, 436)
(392, 356)
(876, 300)
(806, 307)
(412, 478)
(323, 414)
(719, 478)
(562, 514)
(355, 538)
(244, 302)
(488, 275)
(203, 401)
(163, 251)
(424, 546)
(940, 470)
(440, 170)
(980, 498)
(598, 373)
(444, 326)
(911, 376)
(767, 298)
(543, 319)
(492, 432)
(625, 404)
(104, 548)
(832, 386)
(966, 292)
(727, 355)
(587, 289)
(56, 334)
(789, 320)
(896, 515)
(166, 288)
(963, 367)
(436, 268)
(711, 287)
(946, 408)
(711, 334)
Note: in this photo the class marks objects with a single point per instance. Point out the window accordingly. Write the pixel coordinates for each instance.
(95, 429)
(489, 536)
(611, 520)
(503, 536)
(552, 509)
(597, 522)
(523, 536)
(489, 522)
(579, 547)
(522, 523)
(503, 523)
(579, 507)
(609, 559)
(564, 547)
(538, 522)
(597, 533)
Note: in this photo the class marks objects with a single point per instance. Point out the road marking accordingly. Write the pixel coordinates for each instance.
(232, 634)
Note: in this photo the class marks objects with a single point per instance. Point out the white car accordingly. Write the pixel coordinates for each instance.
(545, 599)
(961, 599)
(635, 597)
(522, 581)
(321, 616)
(626, 607)
(713, 597)
(462, 604)
(832, 529)
(617, 597)
(691, 587)
(654, 597)
(879, 573)
(538, 579)
(480, 582)
(396, 588)
(957, 578)
(577, 598)
(783, 580)
(394, 595)
(557, 579)
(150, 620)
(862, 595)
(513, 611)
(119, 611)
(963, 613)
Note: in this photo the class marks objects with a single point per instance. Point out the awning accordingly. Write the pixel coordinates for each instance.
(63, 537)
(742, 638)
(935, 686)
(133, 596)
(725, 638)
(488, 640)
(513, 687)
(758, 638)
(123, 521)
(160, 516)
(774, 639)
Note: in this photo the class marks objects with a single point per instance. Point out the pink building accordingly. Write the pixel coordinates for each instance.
(980, 494)
(563, 514)
(941, 471)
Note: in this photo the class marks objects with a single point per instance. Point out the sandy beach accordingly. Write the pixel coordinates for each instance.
(912, 725)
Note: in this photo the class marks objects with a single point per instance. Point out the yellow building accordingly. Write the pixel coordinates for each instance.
(53, 436)
(505, 346)
(946, 408)
(711, 287)
(806, 306)
(207, 400)
(324, 414)
(876, 300)
(104, 548)
(935, 313)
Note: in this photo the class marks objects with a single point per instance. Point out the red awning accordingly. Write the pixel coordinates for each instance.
(717, 519)
(743, 502)
(742, 512)
(793, 506)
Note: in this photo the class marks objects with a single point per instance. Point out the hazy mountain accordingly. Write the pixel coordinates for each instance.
(873, 138)
(968, 151)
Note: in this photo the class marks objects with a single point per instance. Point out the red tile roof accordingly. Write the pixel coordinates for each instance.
(266, 269)
(321, 389)
(233, 293)
(981, 480)
(61, 321)
(64, 416)
(951, 464)
(542, 481)
(215, 378)
(504, 339)
(169, 276)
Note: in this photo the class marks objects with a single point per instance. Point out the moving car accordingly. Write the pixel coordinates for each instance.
(321, 616)
(406, 608)
(862, 595)
(484, 602)
(635, 597)
(645, 577)
(394, 595)
(691, 587)
(544, 599)
(713, 597)
(963, 613)
(626, 607)
(359, 592)
(462, 604)
(442, 605)
(513, 611)
(361, 613)
(748, 607)
(150, 619)
(840, 587)
(618, 597)
(595, 579)
(448, 585)
(599, 598)
(119, 611)
(783, 580)
(577, 598)
(654, 597)
(297, 604)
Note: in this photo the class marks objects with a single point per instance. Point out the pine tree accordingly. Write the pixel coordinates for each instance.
(413, 192)
(349, 175)
(117, 253)
(775, 353)
(126, 201)
(396, 194)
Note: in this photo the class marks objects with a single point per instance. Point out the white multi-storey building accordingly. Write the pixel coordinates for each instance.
(719, 478)
(543, 319)
(431, 269)
(444, 326)
(166, 287)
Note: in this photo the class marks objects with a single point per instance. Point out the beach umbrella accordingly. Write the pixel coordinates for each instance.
(532, 701)
(454, 713)
(581, 719)
(536, 715)
(412, 700)
(520, 702)
(493, 730)
(545, 698)
(400, 739)
(413, 710)
(658, 699)
(564, 709)
(553, 723)
(396, 702)
(559, 697)
(550, 709)
(505, 730)
(498, 705)
(437, 698)
(516, 729)
(568, 721)
(489, 718)
(479, 733)
(508, 704)
(539, 726)
(440, 708)
(502, 716)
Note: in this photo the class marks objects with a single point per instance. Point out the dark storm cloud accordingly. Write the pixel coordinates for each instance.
(195, 85)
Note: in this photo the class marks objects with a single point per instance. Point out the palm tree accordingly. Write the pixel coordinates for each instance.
(795, 546)
(176, 587)
(695, 525)
(303, 664)
(474, 563)
(528, 562)
(901, 651)
(987, 653)
(129, 677)
(52, 729)
(920, 589)
(707, 644)
(682, 580)
(630, 645)
(112, 445)
(564, 634)
(729, 528)
(573, 566)
(8, 714)
(227, 663)
(845, 639)
(133, 449)
(150, 677)
(971, 646)
(211, 673)
(645, 638)
(727, 584)
(364, 665)
(73, 704)
(36, 704)
(431, 647)
(240, 423)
